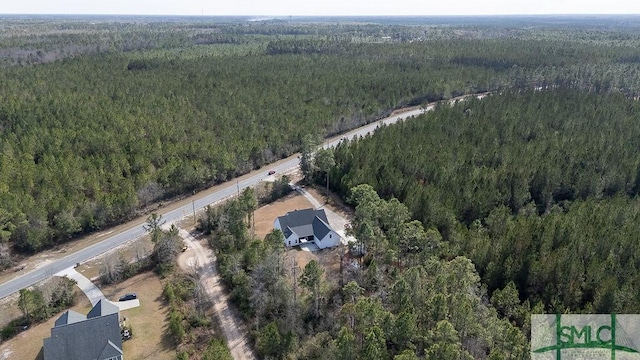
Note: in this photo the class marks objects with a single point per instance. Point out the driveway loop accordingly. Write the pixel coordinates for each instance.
(92, 291)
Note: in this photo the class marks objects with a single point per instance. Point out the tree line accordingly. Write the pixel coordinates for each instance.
(538, 188)
(90, 141)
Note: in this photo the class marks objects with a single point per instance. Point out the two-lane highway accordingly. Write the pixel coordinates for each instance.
(198, 202)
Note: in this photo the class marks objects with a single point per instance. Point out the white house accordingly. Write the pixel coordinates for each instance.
(307, 226)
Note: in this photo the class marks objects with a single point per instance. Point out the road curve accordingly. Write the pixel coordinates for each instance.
(229, 189)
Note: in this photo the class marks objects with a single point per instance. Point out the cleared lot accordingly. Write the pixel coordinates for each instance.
(147, 322)
(266, 215)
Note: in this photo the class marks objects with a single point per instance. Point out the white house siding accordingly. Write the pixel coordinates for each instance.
(330, 240)
(292, 240)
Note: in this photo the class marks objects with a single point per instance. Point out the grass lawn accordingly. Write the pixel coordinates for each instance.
(147, 322)
(28, 344)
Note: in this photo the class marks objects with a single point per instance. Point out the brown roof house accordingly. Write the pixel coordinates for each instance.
(93, 337)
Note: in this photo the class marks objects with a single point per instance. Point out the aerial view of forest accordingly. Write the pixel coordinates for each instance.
(468, 218)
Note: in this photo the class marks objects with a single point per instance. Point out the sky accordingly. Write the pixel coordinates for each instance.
(322, 7)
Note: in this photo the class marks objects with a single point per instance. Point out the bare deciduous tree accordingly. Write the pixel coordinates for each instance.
(201, 299)
(167, 248)
(111, 269)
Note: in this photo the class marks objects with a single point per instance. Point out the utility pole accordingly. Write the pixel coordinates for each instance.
(193, 205)
(327, 199)
(238, 186)
(294, 267)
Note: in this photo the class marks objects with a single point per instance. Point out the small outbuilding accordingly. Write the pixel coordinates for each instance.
(307, 226)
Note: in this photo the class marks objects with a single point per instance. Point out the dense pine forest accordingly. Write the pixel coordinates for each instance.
(538, 188)
(468, 218)
(99, 119)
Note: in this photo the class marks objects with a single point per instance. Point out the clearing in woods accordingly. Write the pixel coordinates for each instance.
(149, 341)
(266, 215)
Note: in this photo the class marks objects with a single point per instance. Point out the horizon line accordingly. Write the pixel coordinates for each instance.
(324, 15)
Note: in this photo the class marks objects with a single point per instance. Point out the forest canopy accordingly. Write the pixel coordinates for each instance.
(99, 119)
(537, 188)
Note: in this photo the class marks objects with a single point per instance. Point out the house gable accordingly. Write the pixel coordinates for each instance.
(300, 226)
(69, 317)
(320, 228)
(86, 338)
(110, 351)
(102, 308)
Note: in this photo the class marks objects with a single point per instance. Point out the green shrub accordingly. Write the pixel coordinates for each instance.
(175, 325)
(196, 321)
(8, 332)
(217, 350)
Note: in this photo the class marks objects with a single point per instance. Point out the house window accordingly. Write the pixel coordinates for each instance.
(329, 236)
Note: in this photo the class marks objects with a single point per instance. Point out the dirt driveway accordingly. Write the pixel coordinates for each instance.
(232, 326)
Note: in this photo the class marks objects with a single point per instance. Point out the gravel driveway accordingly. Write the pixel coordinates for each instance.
(337, 221)
(232, 327)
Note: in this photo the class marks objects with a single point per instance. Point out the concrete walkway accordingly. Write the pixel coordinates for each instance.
(92, 291)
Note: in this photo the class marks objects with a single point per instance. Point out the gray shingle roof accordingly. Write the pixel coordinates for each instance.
(69, 317)
(320, 227)
(88, 338)
(102, 308)
(305, 222)
(302, 230)
(110, 351)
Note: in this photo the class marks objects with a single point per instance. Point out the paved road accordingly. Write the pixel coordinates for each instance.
(199, 202)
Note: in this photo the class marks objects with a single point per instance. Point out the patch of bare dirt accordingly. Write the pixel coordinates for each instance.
(266, 215)
(302, 258)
